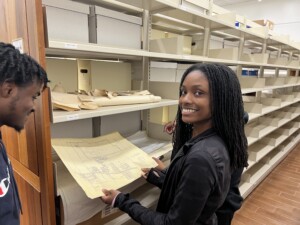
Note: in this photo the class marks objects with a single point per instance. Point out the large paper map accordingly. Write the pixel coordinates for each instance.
(108, 161)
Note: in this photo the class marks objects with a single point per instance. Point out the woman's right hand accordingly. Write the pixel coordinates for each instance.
(160, 166)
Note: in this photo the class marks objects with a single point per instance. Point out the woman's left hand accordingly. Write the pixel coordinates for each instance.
(109, 195)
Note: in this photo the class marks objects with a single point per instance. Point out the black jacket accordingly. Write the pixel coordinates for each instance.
(10, 205)
(233, 200)
(195, 185)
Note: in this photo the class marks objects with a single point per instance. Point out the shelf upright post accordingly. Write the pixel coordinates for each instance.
(290, 55)
(210, 10)
(261, 69)
(96, 121)
(297, 71)
(289, 60)
(278, 56)
(240, 53)
(145, 62)
(263, 50)
(206, 41)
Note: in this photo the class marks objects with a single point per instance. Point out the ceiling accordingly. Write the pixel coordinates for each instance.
(231, 2)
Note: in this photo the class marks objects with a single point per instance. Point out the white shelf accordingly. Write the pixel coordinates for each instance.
(274, 139)
(267, 144)
(253, 116)
(188, 14)
(250, 164)
(63, 116)
(274, 40)
(251, 90)
(180, 17)
(258, 150)
(173, 25)
(196, 58)
(255, 112)
(113, 4)
(152, 5)
(256, 172)
(268, 108)
(283, 117)
(256, 132)
(252, 177)
(251, 140)
(71, 49)
(295, 111)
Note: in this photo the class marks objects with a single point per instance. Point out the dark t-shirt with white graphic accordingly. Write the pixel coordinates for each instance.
(9, 198)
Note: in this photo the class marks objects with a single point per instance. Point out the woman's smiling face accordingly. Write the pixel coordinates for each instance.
(194, 102)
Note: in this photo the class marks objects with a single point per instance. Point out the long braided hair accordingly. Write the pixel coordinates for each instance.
(227, 112)
(18, 68)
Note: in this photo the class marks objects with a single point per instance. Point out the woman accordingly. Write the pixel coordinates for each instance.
(233, 200)
(209, 141)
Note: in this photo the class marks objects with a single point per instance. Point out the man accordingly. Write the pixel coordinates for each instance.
(21, 81)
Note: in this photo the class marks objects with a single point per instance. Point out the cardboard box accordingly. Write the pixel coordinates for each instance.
(278, 61)
(174, 45)
(181, 68)
(66, 20)
(113, 28)
(163, 71)
(266, 23)
(198, 44)
(224, 53)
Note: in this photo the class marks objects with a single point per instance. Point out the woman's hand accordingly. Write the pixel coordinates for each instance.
(109, 196)
(170, 127)
(160, 166)
(145, 172)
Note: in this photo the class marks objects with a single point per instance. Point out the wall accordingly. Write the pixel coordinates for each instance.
(285, 14)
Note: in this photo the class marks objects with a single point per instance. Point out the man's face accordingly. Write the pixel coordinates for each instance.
(21, 104)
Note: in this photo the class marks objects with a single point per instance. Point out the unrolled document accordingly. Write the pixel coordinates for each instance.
(108, 161)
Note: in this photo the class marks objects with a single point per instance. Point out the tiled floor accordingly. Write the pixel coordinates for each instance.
(276, 201)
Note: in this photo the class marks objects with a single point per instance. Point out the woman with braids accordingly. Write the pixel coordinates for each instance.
(22, 80)
(233, 200)
(209, 142)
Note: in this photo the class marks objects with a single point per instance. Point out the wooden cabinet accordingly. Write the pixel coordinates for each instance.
(30, 150)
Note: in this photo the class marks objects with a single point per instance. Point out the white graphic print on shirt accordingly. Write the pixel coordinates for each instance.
(4, 185)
